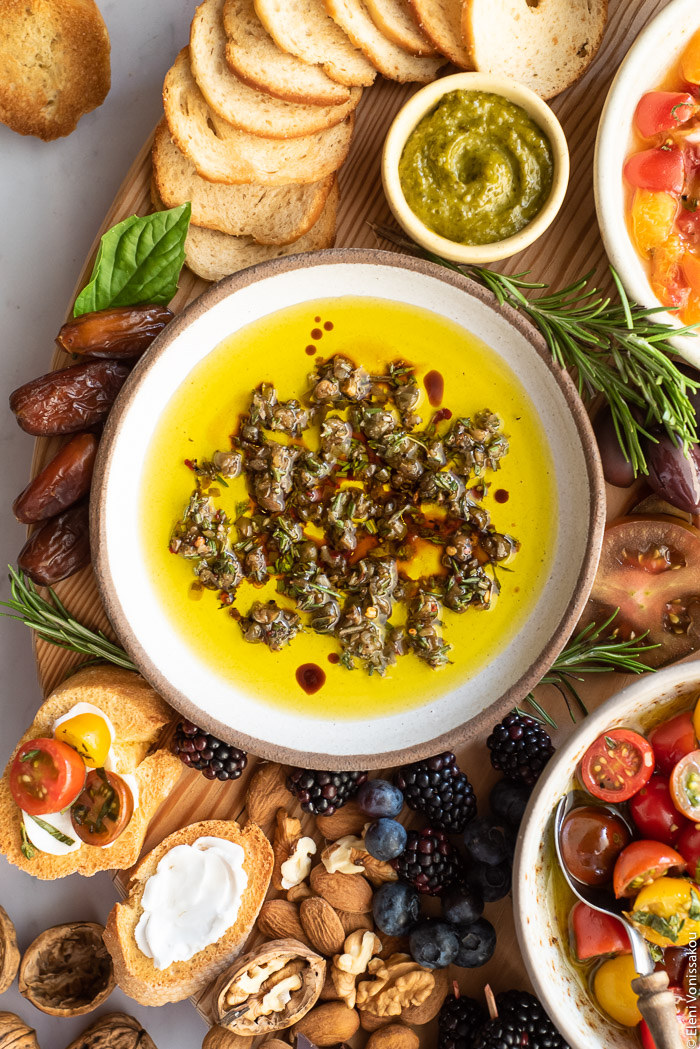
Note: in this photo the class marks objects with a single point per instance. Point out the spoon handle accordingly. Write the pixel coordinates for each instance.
(658, 1007)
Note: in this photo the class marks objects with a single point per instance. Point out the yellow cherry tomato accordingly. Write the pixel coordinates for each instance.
(667, 912)
(690, 62)
(653, 216)
(89, 734)
(612, 987)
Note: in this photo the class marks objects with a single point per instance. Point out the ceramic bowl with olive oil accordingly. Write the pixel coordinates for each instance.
(347, 509)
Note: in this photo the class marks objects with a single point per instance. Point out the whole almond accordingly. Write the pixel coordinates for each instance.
(279, 920)
(329, 1024)
(322, 926)
(220, 1038)
(392, 945)
(328, 991)
(346, 820)
(267, 792)
(352, 920)
(275, 1043)
(396, 1036)
(345, 892)
(428, 1010)
(370, 1022)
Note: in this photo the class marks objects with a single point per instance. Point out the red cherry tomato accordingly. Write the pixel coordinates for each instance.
(103, 808)
(684, 1015)
(654, 813)
(46, 776)
(596, 934)
(643, 862)
(672, 740)
(660, 170)
(617, 765)
(688, 845)
(659, 111)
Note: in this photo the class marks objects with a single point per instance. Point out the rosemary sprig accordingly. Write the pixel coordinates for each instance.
(615, 349)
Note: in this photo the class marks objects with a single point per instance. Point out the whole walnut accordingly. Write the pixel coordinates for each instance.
(15, 1034)
(113, 1031)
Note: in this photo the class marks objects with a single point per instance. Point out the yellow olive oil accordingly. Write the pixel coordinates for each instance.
(282, 349)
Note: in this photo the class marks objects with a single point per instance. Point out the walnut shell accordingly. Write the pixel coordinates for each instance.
(114, 1031)
(9, 952)
(219, 1038)
(67, 970)
(15, 1034)
(312, 971)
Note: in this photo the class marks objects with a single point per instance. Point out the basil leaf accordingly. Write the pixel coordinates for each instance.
(53, 831)
(139, 260)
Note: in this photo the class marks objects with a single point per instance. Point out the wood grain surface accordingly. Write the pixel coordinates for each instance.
(569, 249)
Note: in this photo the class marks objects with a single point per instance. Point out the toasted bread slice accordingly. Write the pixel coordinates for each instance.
(441, 22)
(256, 59)
(138, 715)
(547, 48)
(395, 20)
(222, 153)
(270, 214)
(54, 64)
(388, 59)
(136, 974)
(241, 106)
(305, 29)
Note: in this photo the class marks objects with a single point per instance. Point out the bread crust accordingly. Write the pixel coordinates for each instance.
(54, 64)
(391, 61)
(441, 22)
(138, 715)
(135, 972)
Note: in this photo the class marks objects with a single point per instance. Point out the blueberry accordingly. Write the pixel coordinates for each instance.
(385, 839)
(508, 801)
(492, 881)
(477, 942)
(486, 842)
(434, 944)
(396, 907)
(378, 798)
(462, 906)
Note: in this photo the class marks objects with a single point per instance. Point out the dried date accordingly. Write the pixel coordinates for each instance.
(59, 548)
(125, 331)
(69, 400)
(63, 481)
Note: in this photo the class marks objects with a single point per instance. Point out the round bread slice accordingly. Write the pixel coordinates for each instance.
(305, 29)
(54, 64)
(441, 22)
(256, 59)
(396, 21)
(270, 214)
(388, 59)
(222, 153)
(547, 48)
(135, 972)
(242, 106)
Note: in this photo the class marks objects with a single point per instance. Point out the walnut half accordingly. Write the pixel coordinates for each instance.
(398, 983)
(359, 948)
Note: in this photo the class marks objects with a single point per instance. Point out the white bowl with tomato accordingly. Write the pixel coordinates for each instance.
(635, 833)
(647, 170)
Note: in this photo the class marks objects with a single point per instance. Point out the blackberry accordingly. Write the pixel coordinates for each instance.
(211, 756)
(501, 1034)
(438, 788)
(524, 1009)
(520, 747)
(321, 793)
(458, 1021)
(428, 862)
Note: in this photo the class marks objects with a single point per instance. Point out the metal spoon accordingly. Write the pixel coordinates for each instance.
(656, 1003)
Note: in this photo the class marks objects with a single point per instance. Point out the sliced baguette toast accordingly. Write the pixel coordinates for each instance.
(441, 22)
(138, 715)
(222, 153)
(256, 59)
(395, 20)
(135, 972)
(391, 61)
(241, 106)
(270, 214)
(305, 29)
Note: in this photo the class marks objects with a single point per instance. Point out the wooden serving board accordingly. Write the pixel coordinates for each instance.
(569, 249)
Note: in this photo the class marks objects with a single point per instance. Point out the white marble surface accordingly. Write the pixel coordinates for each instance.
(54, 196)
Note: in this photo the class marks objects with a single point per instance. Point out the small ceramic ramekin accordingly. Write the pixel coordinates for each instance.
(410, 115)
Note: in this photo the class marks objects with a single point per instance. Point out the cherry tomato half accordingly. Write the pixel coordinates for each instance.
(667, 912)
(659, 111)
(654, 813)
(685, 1017)
(690, 61)
(688, 845)
(46, 776)
(685, 786)
(103, 809)
(617, 765)
(661, 170)
(641, 863)
(596, 934)
(591, 840)
(672, 740)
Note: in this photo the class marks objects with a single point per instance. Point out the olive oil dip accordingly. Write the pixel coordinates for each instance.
(372, 566)
(477, 169)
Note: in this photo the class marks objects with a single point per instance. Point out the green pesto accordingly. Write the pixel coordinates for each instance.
(477, 169)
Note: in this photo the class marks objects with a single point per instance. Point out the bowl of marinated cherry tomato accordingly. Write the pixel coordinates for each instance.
(647, 169)
(632, 834)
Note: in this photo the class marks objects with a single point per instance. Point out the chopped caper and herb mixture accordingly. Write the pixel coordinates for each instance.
(344, 488)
